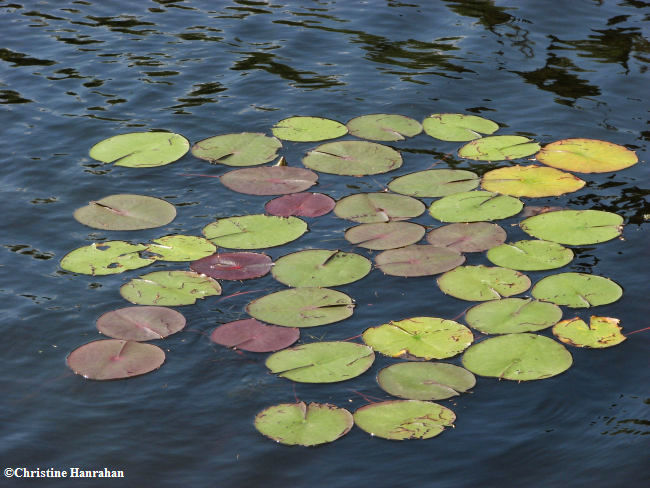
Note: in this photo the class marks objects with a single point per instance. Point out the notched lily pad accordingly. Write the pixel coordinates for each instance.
(105, 258)
(498, 148)
(233, 265)
(242, 149)
(586, 156)
(577, 290)
(126, 212)
(141, 323)
(353, 158)
(368, 208)
(458, 127)
(482, 283)
(255, 336)
(418, 260)
(530, 255)
(389, 235)
(531, 181)
(169, 288)
(467, 237)
(512, 315)
(254, 231)
(308, 129)
(141, 149)
(269, 180)
(300, 205)
(320, 267)
(181, 248)
(475, 206)
(414, 380)
(434, 183)
(574, 227)
(384, 127)
(601, 332)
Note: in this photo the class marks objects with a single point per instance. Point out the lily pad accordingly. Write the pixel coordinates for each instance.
(105, 258)
(418, 260)
(126, 212)
(320, 267)
(512, 315)
(243, 149)
(574, 227)
(530, 255)
(531, 181)
(577, 290)
(169, 288)
(302, 307)
(112, 359)
(586, 156)
(300, 205)
(467, 237)
(425, 381)
(255, 336)
(141, 323)
(518, 357)
(498, 148)
(254, 231)
(304, 425)
(384, 127)
(421, 337)
(353, 158)
(141, 149)
(269, 180)
(434, 183)
(601, 332)
(475, 206)
(458, 127)
(404, 419)
(308, 129)
(389, 235)
(233, 265)
(368, 208)
(181, 248)
(321, 362)
(482, 283)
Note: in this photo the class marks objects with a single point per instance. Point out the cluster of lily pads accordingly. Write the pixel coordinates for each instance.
(515, 352)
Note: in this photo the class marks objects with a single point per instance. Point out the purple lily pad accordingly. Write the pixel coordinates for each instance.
(255, 336)
(301, 205)
(418, 260)
(385, 235)
(141, 323)
(233, 265)
(468, 237)
(269, 180)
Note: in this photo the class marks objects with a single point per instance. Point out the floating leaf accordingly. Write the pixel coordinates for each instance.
(301, 205)
(574, 227)
(481, 283)
(181, 248)
(233, 265)
(243, 149)
(105, 258)
(475, 206)
(353, 158)
(141, 323)
(577, 290)
(425, 381)
(531, 181)
(389, 235)
(255, 336)
(269, 180)
(530, 255)
(169, 288)
(467, 237)
(418, 260)
(305, 425)
(368, 208)
(512, 315)
(434, 183)
(586, 156)
(302, 307)
(112, 359)
(519, 357)
(498, 148)
(404, 419)
(320, 267)
(321, 362)
(601, 332)
(254, 231)
(141, 149)
(308, 129)
(126, 212)
(384, 127)
(421, 337)
(458, 127)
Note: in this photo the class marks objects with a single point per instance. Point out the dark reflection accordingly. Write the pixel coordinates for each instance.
(630, 202)
(484, 11)
(20, 59)
(28, 250)
(80, 40)
(122, 23)
(200, 95)
(11, 96)
(584, 261)
(42, 15)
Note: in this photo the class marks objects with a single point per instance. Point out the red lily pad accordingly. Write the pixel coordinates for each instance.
(269, 180)
(385, 235)
(233, 265)
(255, 336)
(418, 260)
(468, 237)
(141, 323)
(301, 205)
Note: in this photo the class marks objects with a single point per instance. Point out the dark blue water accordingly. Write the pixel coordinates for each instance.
(73, 73)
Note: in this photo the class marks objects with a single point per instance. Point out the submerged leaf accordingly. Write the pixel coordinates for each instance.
(530, 255)
(601, 332)
(169, 288)
(243, 149)
(126, 212)
(418, 260)
(308, 129)
(254, 231)
(300, 205)
(574, 227)
(389, 235)
(367, 208)
(512, 315)
(482, 283)
(105, 258)
(434, 183)
(531, 181)
(141, 323)
(353, 158)
(458, 127)
(255, 336)
(577, 290)
(384, 127)
(320, 267)
(586, 156)
(467, 237)
(498, 148)
(141, 149)
(233, 265)
(475, 206)
(424, 380)
(269, 180)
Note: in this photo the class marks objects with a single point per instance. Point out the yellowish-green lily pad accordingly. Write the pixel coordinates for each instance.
(530, 181)
(601, 332)
(587, 156)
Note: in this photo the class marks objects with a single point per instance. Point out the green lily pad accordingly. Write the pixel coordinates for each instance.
(512, 315)
(388, 235)
(141, 149)
(577, 290)
(169, 288)
(425, 381)
(384, 127)
(498, 148)
(304, 425)
(418, 260)
(530, 255)
(126, 212)
(482, 283)
(475, 206)
(308, 129)
(353, 158)
(302, 307)
(434, 183)
(404, 419)
(269, 180)
(574, 227)
(530, 181)
(105, 258)
(586, 156)
(518, 357)
(601, 332)
(321, 362)
(467, 237)
(367, 208)
(458, 127)
(254, 231)
(242, 149)
(181, 248)
(421, 337)
(320, 267)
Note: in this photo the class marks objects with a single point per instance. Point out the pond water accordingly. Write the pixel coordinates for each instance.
(74, 73)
